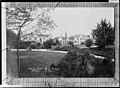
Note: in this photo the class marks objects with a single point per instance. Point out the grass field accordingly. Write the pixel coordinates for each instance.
(36, 59)
(42, 59)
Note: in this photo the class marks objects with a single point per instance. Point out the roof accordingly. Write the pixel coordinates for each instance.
(56, 38)
(71, 38)
(77, 36)
(64, 38)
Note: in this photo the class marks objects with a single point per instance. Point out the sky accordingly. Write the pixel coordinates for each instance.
(79, 20)
(75, 20)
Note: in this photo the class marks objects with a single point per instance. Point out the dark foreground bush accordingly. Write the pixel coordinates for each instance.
(74, 65)
(83, 65)
(104, 69)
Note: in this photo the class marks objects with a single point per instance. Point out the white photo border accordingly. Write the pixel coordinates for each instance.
(63, 82)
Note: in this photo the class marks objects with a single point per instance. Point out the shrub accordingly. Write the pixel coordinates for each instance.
(57, 48)
(77, 50)
(83, 65)
(41, 47)
(108, 70)
(100, 43)
(57, 42)
(70, 43)
(48, 44)
(66, 48)
(74, 65)
(63, 48)
(33, 46)
(24, 44)
(88, 42)
(82, 43)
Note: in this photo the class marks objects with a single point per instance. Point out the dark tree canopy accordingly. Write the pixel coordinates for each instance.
(57, 42)
(48, 43)
(88, 42)
(71, 43)
(103, 33)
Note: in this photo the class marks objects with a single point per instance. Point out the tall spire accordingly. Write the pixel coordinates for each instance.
(66, 35)
(61, 35)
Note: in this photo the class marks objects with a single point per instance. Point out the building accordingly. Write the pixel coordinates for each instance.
(36, 37)
(76, 39)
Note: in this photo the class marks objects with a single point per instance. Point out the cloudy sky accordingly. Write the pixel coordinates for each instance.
(79, 20)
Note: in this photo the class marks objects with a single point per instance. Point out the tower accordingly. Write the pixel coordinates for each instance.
(66, 35)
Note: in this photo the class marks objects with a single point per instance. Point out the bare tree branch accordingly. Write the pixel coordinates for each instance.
(57, 4)
(29, 33)
(32, 20)
(38, 16)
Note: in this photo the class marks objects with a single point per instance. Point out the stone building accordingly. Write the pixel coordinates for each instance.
(76, 39)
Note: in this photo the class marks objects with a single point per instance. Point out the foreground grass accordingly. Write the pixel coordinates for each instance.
(36, 59)
(41, 59)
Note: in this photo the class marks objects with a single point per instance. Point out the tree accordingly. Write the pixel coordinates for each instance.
(48, 44)
(74, 65)
(88, 42)
(57, 42)
(103, 33)
(19, 17)
(70, 43)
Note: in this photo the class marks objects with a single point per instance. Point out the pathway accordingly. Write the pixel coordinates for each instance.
(47, 50)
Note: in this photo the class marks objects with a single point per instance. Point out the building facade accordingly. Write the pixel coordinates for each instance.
(37, 37)
(76, 39)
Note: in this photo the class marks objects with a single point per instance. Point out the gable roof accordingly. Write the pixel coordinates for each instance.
(64, 38)
(56, 38)
(71, 38)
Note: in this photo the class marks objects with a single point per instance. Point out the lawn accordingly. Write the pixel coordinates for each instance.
(36, 59)
(42, 59)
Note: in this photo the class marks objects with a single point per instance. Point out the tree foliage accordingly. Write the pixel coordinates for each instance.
(57, 42)
(74, 65)
(48, 43)
(20, 18)
(103, 33)
(70, 43)
(88, 42)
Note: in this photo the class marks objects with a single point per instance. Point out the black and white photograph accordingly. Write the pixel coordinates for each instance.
(60, 41)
